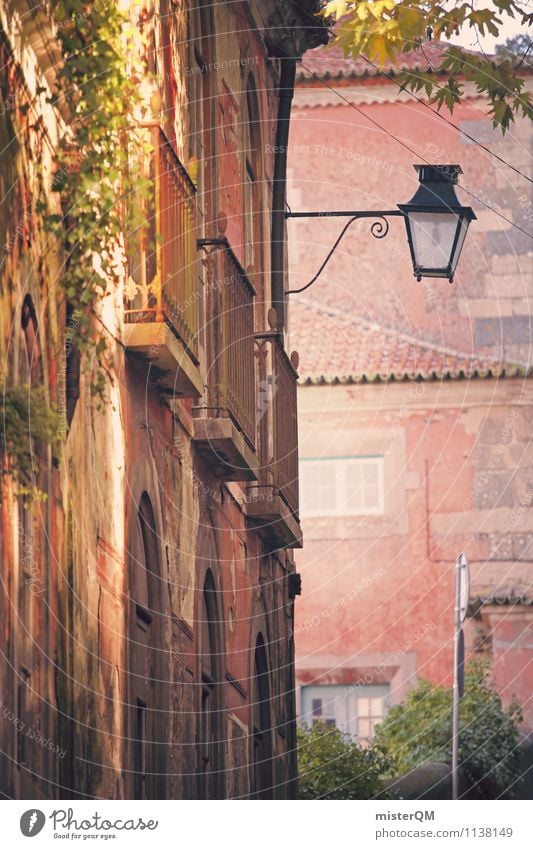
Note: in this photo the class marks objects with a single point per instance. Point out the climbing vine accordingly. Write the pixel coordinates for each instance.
(96, 178)
(97, 94)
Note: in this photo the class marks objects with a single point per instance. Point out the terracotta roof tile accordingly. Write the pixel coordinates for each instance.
(330, 63)
(338, 347)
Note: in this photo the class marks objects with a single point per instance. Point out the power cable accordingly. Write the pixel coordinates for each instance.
(412, 150)
(435, 112)
(447, 120)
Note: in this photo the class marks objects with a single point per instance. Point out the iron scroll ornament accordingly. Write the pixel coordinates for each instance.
(379, 229)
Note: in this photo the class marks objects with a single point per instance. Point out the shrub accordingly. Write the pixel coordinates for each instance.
(332, 766)
(420, 730)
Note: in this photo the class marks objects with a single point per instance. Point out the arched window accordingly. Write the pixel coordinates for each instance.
(201, 105)
(261, 725)
(32, 344)
(31, 575)
(252, 177)
(147, 667)
(210, 765)
(73, 362)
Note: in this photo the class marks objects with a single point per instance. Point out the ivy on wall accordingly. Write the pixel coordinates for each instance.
(96, 177)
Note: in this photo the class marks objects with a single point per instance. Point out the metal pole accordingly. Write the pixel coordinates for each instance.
(455, 715)
(347, 213)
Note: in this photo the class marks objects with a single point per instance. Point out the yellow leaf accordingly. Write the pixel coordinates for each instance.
(379, 8)
(378, 49)
(336, 8)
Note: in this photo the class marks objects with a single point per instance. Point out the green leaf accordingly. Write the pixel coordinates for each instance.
(419, 730)
(381, 30)
(332, 766)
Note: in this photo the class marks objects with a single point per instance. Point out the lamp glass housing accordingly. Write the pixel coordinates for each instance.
(436, 222)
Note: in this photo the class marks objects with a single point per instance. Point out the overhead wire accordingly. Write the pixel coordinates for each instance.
(434, 111)
(312, 18)
(411, 149)
(449, 121)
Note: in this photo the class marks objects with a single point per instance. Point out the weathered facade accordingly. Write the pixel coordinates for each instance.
(376, 613)
(147, 604)
(415, 400)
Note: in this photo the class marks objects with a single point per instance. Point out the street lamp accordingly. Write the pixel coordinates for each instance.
(435, 220)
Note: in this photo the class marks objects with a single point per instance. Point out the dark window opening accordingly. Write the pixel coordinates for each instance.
(139, 754)
(31, 337)
(210, 760)
(72, 363)
(262, 725)
(317, 707)
(202, 123)
(147, 660)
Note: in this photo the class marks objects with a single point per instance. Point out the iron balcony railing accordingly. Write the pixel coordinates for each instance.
(231, 384)
(163, 267)
(278, 425)
(285, 426)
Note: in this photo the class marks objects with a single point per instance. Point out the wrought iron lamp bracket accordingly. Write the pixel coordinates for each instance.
(379, 229)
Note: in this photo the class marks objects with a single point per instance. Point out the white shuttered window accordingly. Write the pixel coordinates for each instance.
(341, 486)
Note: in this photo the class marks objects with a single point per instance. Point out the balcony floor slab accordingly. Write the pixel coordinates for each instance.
(225, 449)
(174, 368)
(273, 519)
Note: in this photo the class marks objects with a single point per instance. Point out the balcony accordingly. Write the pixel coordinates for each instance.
(161, 305)
(224, 427)
(272, 504)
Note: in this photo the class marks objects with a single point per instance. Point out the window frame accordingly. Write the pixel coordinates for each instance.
(342, 464)
(369, 716)
(339, 706)
(147, 671)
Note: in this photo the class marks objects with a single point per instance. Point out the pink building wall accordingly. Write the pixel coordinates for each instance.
(377, 602)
